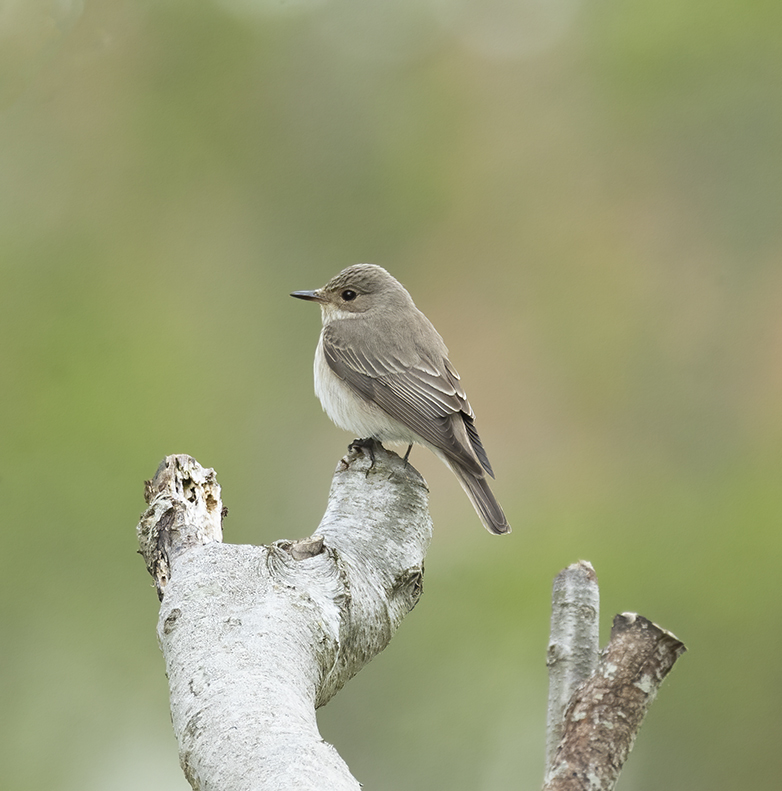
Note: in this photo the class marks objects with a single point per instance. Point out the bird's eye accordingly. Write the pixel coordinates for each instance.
(348, 295)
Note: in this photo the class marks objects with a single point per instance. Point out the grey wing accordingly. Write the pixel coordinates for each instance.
(424, 395)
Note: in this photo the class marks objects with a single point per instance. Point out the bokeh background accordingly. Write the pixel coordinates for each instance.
(586, 200)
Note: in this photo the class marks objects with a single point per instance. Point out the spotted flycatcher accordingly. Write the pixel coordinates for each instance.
(382, 372)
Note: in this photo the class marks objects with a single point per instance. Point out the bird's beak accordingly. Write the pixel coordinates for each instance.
(310, 296)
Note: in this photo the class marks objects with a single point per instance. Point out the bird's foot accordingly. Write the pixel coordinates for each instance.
(367, 446)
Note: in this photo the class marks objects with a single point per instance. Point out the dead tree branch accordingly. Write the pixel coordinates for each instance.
(256, 637)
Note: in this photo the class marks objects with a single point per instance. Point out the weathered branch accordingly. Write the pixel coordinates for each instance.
(255, 638)
(606, 712)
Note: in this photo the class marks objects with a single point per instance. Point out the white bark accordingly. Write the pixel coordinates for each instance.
(255, 638)
(574, 643)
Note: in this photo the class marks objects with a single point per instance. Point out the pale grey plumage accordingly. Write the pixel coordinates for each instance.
(382, 371)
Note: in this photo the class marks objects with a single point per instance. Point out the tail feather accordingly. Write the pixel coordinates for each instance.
(482, 498)
(476, 443)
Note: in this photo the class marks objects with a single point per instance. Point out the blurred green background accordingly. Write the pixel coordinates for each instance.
(585, 198)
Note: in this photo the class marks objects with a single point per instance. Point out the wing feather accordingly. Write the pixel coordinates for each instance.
(421, 392)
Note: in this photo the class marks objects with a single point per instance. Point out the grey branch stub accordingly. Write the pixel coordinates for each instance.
(597, 702)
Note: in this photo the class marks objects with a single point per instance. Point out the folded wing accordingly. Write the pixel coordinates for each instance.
(422, 393)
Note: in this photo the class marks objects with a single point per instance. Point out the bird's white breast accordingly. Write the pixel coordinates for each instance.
(350, 410)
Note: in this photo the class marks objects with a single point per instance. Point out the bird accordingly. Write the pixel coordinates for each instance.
(382, 372)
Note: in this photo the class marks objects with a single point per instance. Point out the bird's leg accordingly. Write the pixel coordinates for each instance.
(367, 445)
(407, 455)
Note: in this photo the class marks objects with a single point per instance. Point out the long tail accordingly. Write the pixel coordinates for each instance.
(482, 499)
